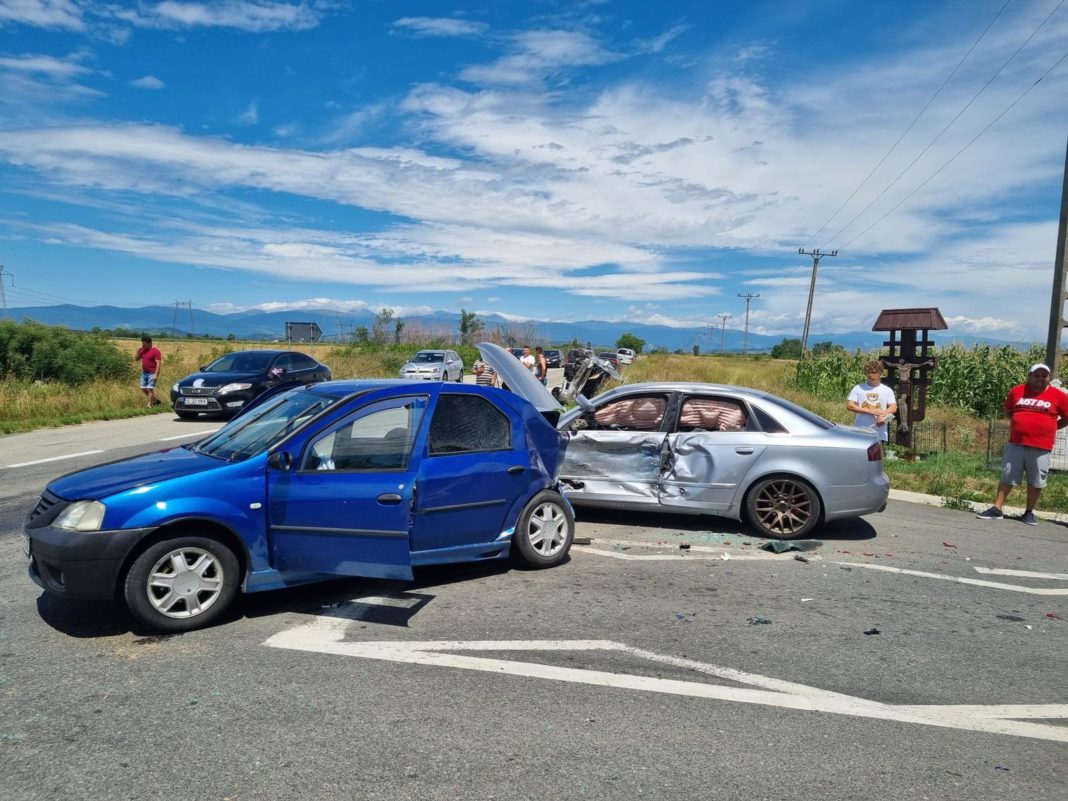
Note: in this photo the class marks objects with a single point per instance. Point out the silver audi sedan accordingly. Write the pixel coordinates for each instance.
(720, 450)
(705, 449)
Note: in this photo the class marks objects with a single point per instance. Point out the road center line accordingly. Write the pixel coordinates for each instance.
(959, 580)
(1004, 571)
(55, 458)
(191, 434)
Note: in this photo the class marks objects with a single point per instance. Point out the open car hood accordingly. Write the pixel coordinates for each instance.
(518, 378)
(589, 371)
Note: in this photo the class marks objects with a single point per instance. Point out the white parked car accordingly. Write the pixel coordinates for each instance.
(434, 365)
(626, 356)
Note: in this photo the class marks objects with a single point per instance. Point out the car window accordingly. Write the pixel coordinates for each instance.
(284, 362)
(768, 423)
(248, 362)
(712, 414)
(800, 411)
(642, 413)
(428, 357)
(379, 437)
(466, 423)
(302, 362)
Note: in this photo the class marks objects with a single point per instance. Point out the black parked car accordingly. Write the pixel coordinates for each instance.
(553, 358)
(231, 382)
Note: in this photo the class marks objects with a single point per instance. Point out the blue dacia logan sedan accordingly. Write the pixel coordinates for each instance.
(342, 478)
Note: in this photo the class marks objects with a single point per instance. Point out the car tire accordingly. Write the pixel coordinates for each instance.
(181, 584)
(460, 377)
(187, 415)
(544, 532)
(783, 507)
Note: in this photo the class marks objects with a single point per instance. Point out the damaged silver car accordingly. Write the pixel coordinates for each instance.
(720, 450)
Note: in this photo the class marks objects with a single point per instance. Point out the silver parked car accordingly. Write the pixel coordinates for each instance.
(434, 365)
(708, 449)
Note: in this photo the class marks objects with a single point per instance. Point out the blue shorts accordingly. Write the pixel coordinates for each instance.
(148, 380)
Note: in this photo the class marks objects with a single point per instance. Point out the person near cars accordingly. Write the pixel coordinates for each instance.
(872, 402)
(541, 366)
(1035, 411)
(151, 361)
(484, 374)
(527, 359)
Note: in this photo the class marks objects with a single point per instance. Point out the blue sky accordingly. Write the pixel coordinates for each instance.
(541, 160)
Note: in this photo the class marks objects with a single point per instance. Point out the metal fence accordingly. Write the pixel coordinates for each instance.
(981, 438)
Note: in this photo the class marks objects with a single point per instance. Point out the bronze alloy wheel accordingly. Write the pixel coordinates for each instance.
(783, 508)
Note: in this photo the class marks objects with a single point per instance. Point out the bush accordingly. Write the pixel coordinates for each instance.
(31, 351)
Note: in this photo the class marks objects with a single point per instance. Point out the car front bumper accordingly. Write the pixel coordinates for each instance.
(79, 564)
(229, 403)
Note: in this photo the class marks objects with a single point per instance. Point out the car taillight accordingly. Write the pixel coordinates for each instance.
(875, 452)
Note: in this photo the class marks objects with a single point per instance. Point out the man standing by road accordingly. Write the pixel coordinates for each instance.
(541, 366)
(151, 360)
(872, 402)
(527, 359)
(1035, 411)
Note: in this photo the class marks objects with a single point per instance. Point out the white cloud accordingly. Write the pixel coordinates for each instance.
(43, 65)
(241, 14)
(251, 115)
(42, 13)
(148, 82)
(658, 43)
(538, 54)
(440, 26)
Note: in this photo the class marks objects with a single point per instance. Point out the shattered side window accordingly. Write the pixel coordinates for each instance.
(466, 423)
(644, 413)
(712, 414)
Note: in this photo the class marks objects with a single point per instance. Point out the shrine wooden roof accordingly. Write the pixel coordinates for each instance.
(929, 319)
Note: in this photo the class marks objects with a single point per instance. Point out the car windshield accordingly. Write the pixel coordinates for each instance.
(800, 411)
(241, 363)
(428, 357)
(249, 434)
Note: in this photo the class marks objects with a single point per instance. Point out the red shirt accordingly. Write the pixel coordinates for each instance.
(1033, 418)
(151, 357)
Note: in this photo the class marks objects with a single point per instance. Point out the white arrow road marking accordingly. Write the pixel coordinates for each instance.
(997, 585)
(1002, 571)
(327, 635)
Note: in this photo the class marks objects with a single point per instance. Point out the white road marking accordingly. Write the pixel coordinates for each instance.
(191, 434)
(1002, 571)
(55, 458)
(959, 580)
(327, 635)
(678, 553)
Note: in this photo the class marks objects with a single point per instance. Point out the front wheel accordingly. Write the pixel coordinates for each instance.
(460, 377)
(783, 508)
(544, 533)
(182, 584)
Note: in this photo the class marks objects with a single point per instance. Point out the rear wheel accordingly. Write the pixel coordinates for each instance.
(544, 532)
(182, 584)
(783, 507)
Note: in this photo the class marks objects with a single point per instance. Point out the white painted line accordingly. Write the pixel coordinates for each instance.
(1000, 571)
(975, 582)
(327, 635)
(191, 434)
(55, 458)
(705, 553)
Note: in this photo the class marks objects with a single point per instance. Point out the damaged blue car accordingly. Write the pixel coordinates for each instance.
(342, 478)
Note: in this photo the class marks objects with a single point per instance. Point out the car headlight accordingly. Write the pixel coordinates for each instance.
(233, 388)
(81, 516)
(174, 389)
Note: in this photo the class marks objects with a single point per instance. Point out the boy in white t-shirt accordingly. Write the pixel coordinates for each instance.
(872, 402)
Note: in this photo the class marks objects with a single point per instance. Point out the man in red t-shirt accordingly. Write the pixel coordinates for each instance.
(151, 359)
(1035, 411)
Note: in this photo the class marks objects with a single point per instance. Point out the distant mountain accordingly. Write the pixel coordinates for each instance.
(600, 333)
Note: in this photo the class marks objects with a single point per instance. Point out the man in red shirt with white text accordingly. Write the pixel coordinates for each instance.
(1035, 410)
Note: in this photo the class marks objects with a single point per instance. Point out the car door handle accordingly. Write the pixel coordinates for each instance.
(743, 451)
(516, 469)
(390, 499)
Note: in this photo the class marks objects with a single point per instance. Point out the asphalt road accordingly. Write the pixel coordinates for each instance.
(635, 670)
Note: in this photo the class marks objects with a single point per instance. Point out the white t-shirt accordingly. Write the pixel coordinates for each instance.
(528, 361)
(868, 397)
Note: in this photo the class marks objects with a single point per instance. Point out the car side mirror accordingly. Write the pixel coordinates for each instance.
(280, 460)
(203, 367)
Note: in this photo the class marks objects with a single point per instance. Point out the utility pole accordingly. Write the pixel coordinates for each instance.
(816, 256)
(3, 297)
(723, 328)
(748, 298)
(174, 320)
(1056, 313)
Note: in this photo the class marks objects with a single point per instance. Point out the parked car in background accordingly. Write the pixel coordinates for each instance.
(234, 380)
(626, 356)
(611, 358)
(517, 352)
(434, 365)
(720, 450)
(553, 357)
(313, 483)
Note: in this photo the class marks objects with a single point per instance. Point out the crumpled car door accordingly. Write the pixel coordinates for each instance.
(613, 467)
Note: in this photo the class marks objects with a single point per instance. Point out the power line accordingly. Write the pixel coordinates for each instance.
(954, 156)
(748, 298)
(816, 256)
(3, 297)
(910, 125)
(948, 125)
(723, 328)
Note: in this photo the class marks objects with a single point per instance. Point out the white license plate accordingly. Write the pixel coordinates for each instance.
(196, 401)
(26, 544)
